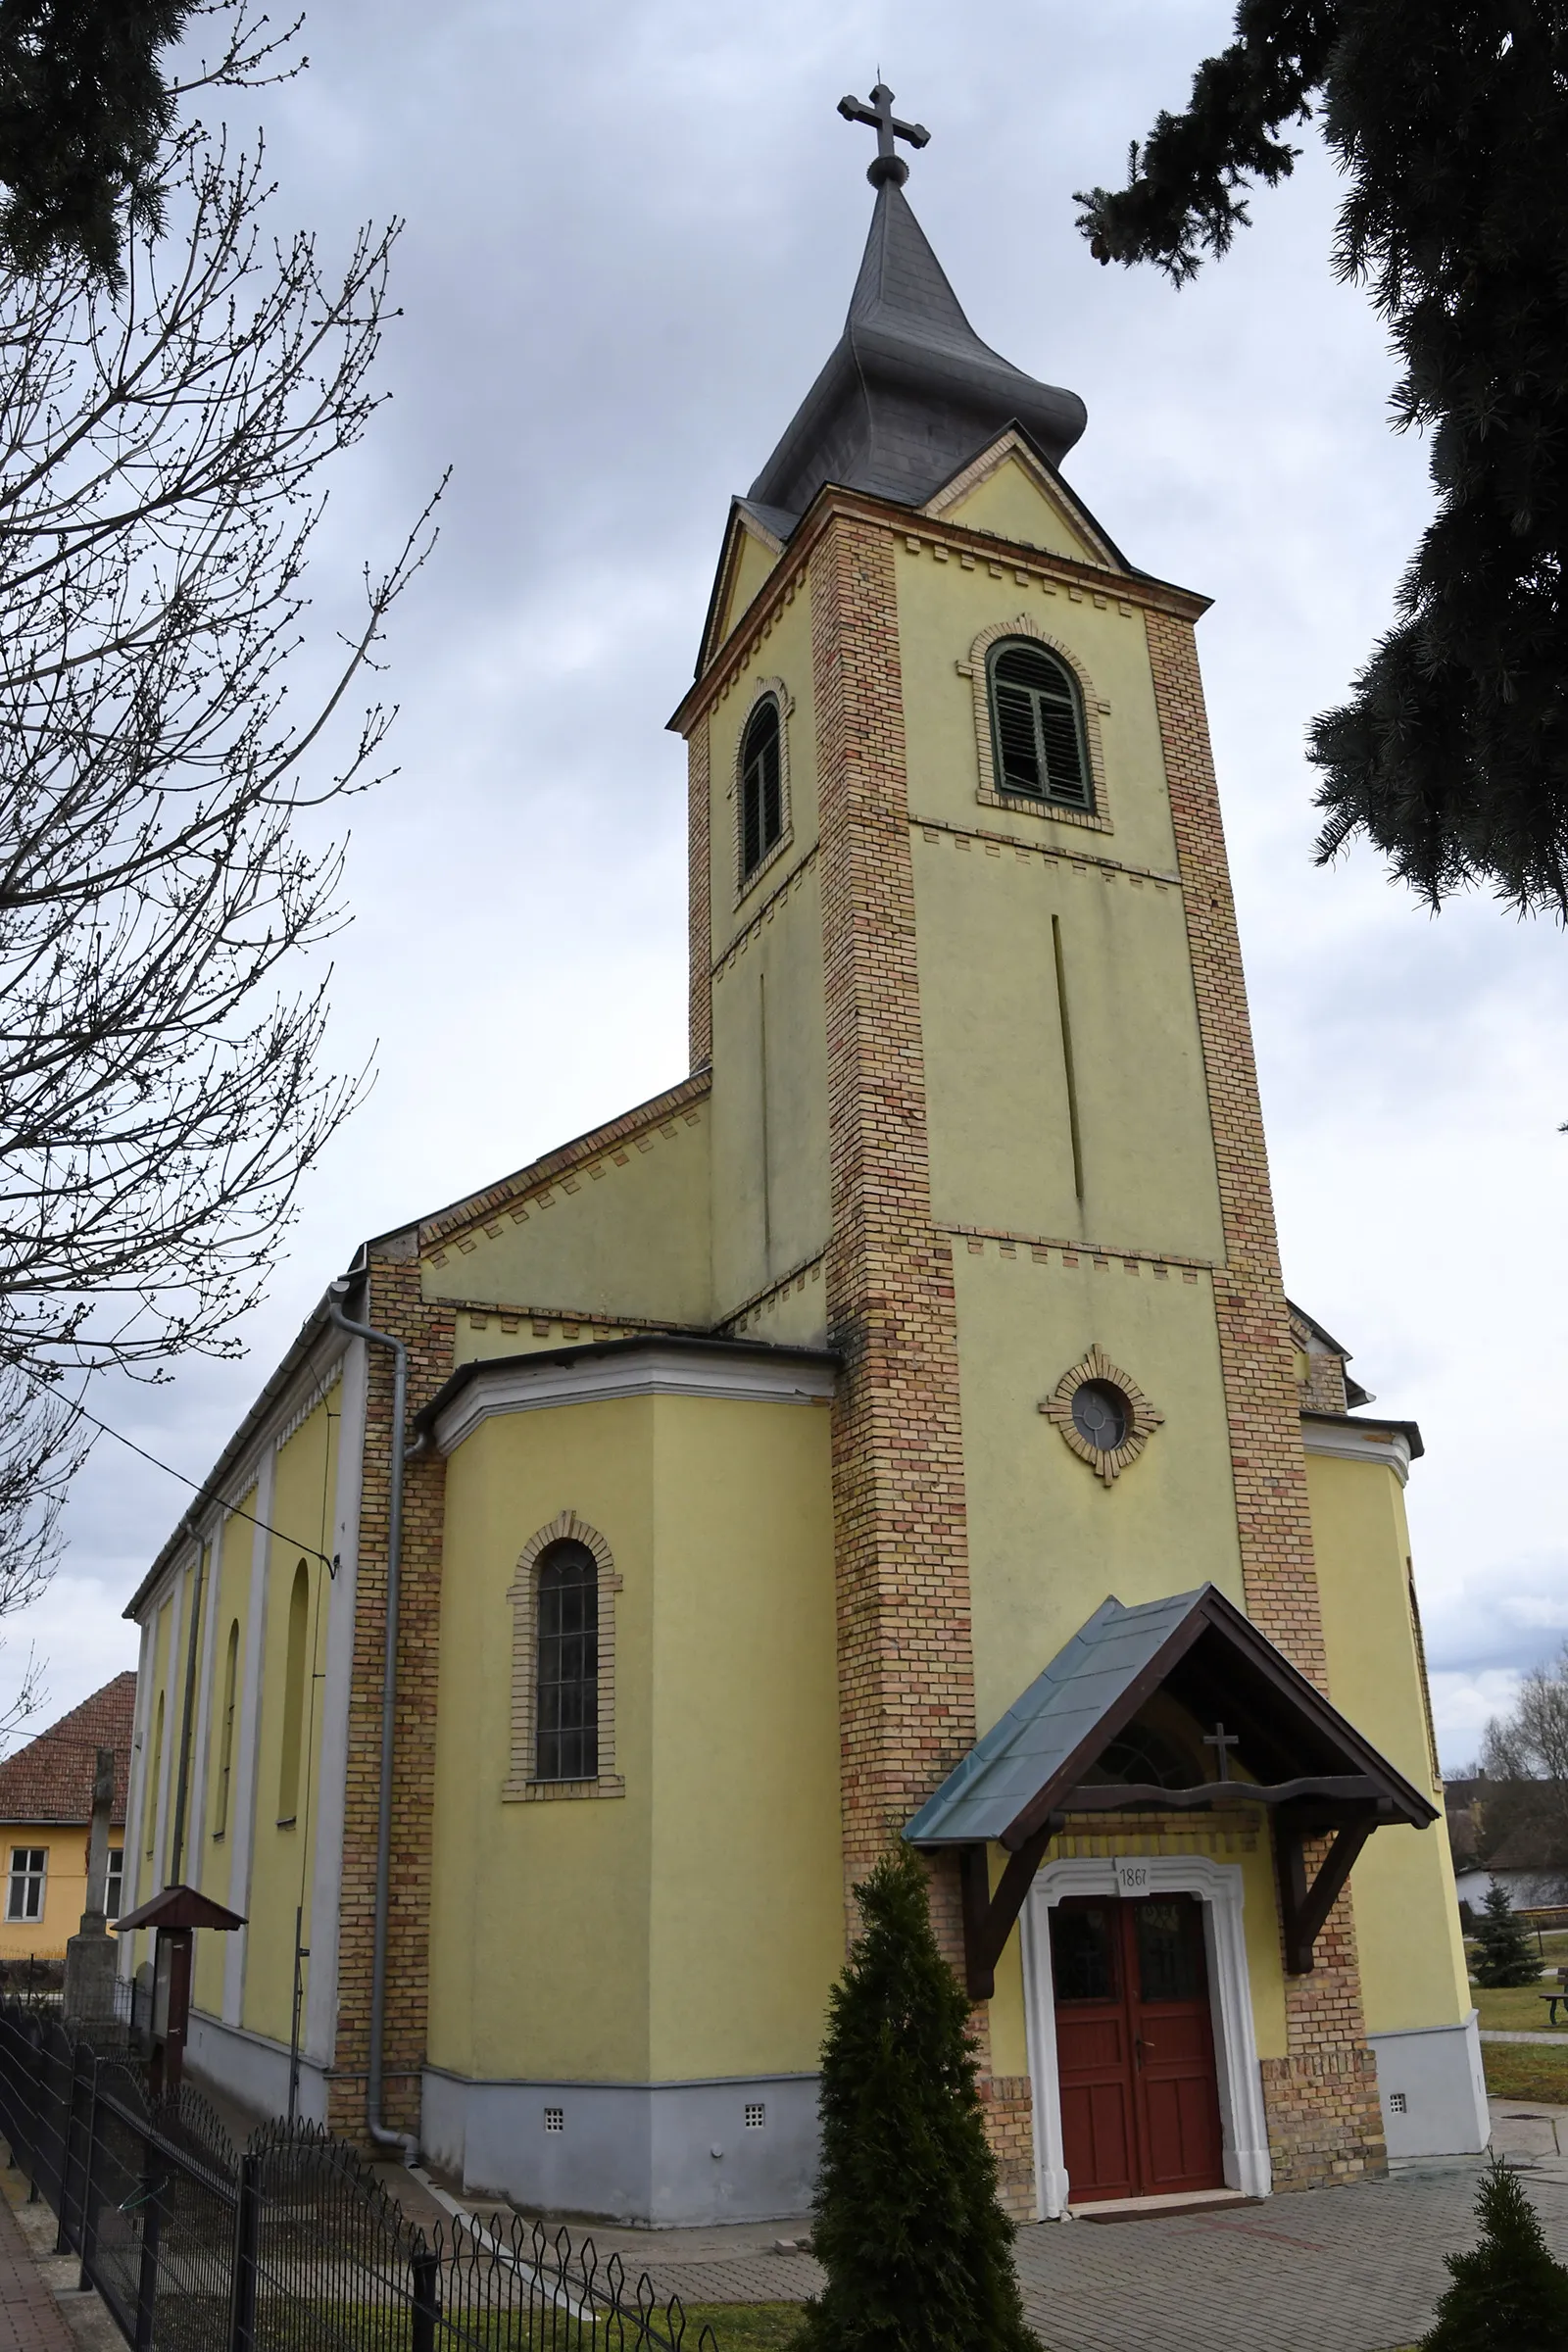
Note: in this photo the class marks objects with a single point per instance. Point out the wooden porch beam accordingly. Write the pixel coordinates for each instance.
(1304, 1908)
(1108, 1796)
(989, 1919)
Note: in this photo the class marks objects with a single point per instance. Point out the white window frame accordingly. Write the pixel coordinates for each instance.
(115, 1881)
(22, 1879)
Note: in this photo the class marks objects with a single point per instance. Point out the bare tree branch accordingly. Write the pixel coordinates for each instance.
(162, 1085)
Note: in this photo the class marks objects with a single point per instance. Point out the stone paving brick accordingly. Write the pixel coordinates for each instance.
(29, 2317)
(1352, 2268)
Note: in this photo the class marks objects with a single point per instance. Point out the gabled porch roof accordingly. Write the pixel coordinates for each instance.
(1300, 1756)
(1294, 1745)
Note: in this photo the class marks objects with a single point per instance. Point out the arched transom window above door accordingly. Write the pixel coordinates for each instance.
(563, 1665)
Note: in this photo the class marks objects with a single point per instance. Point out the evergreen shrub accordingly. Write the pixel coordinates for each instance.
(1505, 1954)
(1508, 2293)
(906, 2219)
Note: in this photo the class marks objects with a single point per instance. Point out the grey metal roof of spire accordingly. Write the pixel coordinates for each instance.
(910, 393)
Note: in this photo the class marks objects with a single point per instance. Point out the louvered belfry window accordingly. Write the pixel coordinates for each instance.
(762, 786)
(566, 1722)
(1036, 727)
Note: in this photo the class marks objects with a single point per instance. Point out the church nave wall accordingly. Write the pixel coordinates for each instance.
(538, 1912)
(220, 1758)
(690, 1923)
(1406, 1910)
(618, 1230)
(288, 1750)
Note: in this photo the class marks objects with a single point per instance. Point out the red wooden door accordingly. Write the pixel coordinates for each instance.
(1135, 2048)
(1093, 2049)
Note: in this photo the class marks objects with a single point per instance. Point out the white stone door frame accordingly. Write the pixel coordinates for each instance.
(1219, 1888)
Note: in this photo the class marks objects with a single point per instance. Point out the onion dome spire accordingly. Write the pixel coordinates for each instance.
(910, 394)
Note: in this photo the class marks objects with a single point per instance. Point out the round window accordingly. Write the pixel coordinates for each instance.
(1100, 1414)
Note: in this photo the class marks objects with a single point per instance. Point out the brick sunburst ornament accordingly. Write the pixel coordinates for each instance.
(1103, 1414)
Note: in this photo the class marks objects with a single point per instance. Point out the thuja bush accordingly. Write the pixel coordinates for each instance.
(908, 2224)
(1508, 2293)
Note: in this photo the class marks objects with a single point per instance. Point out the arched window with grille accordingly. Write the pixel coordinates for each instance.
(225, 1734)
(295, 1691)
(1037, 725)
(150, 1803)
(761, 793)
(567, 1664)
(563, 1665)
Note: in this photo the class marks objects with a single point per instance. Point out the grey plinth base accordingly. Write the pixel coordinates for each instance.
(1433, 2091)
(89, 1997)
(668, 2155)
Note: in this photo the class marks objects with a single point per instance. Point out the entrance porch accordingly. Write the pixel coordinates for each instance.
(1161, 1741)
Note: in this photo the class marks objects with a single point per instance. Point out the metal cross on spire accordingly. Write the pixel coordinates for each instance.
(888, 164)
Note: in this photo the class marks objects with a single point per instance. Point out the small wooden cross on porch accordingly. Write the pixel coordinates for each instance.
(1222, 1741)
(888, 164)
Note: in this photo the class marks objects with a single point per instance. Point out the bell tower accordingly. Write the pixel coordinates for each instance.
(985, 1113)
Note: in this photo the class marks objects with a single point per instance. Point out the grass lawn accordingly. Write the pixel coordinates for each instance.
(743, 2327)
(1551, 1945)
(1514, 2009)
(1523, 2070)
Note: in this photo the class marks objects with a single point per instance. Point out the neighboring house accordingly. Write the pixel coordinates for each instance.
(45, 1814)
(898, 1426)
(1502, 1835)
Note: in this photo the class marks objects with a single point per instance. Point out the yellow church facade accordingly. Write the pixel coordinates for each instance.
(896, 1428)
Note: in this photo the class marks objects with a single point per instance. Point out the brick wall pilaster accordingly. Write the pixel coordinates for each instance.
(1321, 2097)
(906, 1667)
(393, 1303)
(906, 1709)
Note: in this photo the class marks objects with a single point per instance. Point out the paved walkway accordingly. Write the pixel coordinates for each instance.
(1335, 2270)
(42, 2309)
(29, 2315)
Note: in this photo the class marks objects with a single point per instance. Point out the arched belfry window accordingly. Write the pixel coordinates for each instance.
(563, 1665)
(761, 784)
(566, 1704)
(1037, 725)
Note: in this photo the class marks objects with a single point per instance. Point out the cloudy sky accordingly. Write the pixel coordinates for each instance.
(631, 234)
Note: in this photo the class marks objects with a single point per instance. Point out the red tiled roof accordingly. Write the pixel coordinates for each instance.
(51, 1778)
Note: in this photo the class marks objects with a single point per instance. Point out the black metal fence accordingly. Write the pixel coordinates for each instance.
(290, 2245)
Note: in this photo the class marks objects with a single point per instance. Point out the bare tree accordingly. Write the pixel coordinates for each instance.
(1524, 1755)
(162, 1088)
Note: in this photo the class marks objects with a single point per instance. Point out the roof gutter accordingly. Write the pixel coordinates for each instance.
(379, 2130)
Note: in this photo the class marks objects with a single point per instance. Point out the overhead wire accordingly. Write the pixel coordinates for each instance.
(207, 1494)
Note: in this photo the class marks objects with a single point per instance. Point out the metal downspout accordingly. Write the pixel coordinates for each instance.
(381, 2132)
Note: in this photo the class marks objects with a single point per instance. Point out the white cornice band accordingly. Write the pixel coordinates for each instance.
(1349, 1443)
(721, 1376)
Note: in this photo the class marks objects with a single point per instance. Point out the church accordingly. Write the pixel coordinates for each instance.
(896, 1428)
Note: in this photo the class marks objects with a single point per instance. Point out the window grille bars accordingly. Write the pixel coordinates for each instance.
(566, 1718)
(762, 786)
